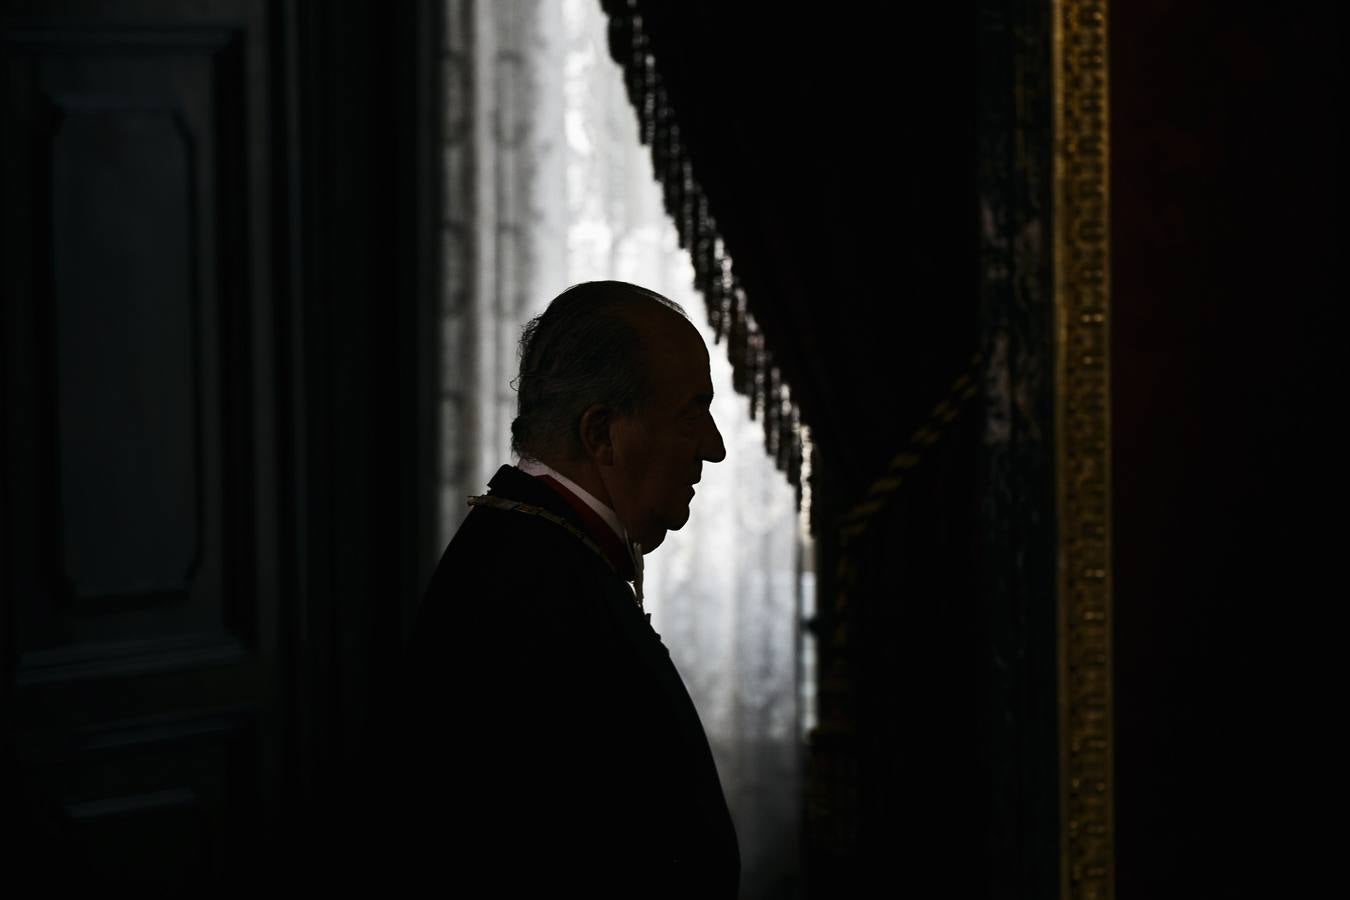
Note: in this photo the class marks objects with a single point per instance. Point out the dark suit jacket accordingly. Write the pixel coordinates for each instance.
(542, 736)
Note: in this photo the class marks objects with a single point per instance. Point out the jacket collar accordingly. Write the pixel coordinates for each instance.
(512, 484)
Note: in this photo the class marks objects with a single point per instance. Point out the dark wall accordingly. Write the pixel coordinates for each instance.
(1226, 187)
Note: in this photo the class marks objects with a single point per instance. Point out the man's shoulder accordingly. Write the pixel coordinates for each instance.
(501, 552)
(499, 541)
(520, 518)
(517, 554)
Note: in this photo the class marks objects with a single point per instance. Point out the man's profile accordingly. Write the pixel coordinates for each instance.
(545, 741)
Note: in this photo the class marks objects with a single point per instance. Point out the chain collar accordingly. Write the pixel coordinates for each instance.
(505, 505)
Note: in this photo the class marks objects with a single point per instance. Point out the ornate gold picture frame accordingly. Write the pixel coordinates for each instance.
(1083, 446)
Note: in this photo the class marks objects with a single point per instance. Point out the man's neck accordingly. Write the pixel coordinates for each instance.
(626, 557)
(573, 478)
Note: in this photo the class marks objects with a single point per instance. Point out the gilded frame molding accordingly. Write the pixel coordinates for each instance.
(1081, 208)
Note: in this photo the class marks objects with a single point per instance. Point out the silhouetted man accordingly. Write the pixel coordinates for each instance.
(548, 746)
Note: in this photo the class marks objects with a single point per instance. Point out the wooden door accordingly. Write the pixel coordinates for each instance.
(141, 569)
(208, 481)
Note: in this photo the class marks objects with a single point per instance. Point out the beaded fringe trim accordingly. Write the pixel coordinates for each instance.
(754, 372)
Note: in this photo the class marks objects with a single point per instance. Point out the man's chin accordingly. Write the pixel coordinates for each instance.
(652, 541)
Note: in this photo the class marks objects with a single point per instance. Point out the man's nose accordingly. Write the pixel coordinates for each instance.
(713, 448)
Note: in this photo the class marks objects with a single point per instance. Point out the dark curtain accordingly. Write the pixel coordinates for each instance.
(836, 153)
(843, 162)
(879, 178)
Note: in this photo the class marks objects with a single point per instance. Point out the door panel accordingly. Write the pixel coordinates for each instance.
(143, 652)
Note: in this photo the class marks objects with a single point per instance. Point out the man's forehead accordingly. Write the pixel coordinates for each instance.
(664, 330)
(676, 357)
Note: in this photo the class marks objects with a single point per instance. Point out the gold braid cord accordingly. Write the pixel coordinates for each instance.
(1083, 439)
(884, 488)
(831, 804)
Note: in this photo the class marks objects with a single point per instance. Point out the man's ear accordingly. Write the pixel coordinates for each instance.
(596, 441)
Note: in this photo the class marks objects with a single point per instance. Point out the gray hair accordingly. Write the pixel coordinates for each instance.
(585, 348)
